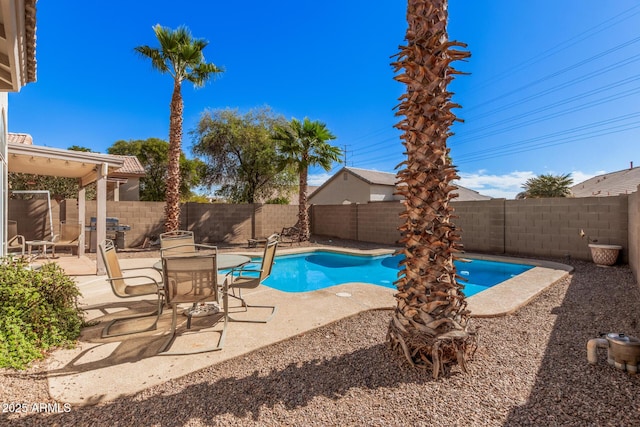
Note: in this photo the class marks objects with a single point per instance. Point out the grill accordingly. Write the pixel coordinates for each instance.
(115, 232)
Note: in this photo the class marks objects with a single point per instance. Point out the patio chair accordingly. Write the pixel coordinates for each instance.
(183, 241)
(290, 235)
(129, 286)
(244, 281)
(15, 241)
(192, 279)
(70, 236)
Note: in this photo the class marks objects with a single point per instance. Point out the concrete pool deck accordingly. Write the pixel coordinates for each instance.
(87, 374)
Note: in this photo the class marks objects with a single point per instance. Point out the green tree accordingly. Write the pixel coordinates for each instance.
(547, 186)
(303, 145)
(240, 154)
(59, 187)
(180, 56)
(429, 325)
(153, 153)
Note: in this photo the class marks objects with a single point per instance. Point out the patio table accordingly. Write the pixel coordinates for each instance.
(41, 244)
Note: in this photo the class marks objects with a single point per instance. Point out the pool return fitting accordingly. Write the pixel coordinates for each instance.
(623, 351)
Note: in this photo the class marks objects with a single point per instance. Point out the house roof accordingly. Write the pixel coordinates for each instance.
(19, 138)
(17, 44)
(372, 177)
(625, 181)
(130, 167)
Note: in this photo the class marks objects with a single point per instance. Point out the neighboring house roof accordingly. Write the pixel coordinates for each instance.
(20, 138)
(131, 167)
(625, 181)
(466, 194)
(372, 177)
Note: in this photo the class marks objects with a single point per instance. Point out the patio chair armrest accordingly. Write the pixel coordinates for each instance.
(241, 271)
(159, 285)
(19, 238)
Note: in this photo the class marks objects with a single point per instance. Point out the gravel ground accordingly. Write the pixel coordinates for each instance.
(530, 370)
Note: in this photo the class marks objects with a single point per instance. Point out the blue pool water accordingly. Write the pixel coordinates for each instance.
(316, 270)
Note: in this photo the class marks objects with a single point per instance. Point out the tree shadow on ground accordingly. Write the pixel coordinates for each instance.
(292, 386)
(569, 391)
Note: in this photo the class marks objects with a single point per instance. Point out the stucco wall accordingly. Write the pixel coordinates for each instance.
(382, 193)
(339, 190)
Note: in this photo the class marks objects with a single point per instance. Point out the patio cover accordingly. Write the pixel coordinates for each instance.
(86, 167)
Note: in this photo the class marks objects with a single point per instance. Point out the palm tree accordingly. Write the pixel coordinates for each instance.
(429, 325)
(304, 144)
(547, 186)
(179, 55)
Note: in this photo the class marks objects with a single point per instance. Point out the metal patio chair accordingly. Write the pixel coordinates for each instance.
(129, 286)
(238, 279)
(193, 279)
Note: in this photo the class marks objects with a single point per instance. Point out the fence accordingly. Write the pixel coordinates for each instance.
(532, 227)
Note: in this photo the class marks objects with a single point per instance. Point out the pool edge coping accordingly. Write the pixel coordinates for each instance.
(492, 302)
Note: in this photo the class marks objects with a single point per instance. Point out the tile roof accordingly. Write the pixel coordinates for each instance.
(30, 42)
(131, 166)
(625, 181)
(19, 138)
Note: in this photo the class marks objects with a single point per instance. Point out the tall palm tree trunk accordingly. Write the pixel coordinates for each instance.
(429, 325)
(172, 207)
(303, 212)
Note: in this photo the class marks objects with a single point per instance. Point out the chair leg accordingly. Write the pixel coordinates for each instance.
(157, 313)
(247, 307)
(172, 335)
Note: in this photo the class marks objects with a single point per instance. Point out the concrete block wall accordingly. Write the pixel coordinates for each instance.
(545, 227)
(481, 224)
(378, 222)
(273, 218)
(634, 233)
(339, 221)
(218, 222)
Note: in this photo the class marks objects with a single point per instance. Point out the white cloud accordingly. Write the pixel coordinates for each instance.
(318, 179)
(499, 186)
(509, 185)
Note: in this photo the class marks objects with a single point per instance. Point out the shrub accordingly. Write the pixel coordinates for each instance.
(38, 311)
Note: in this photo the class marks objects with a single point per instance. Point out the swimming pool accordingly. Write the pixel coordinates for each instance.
(311, 271)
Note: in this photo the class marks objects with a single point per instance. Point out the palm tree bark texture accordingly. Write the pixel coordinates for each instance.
(172, 207)
(429, 326)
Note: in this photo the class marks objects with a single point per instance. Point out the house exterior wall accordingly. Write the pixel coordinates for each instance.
(129, 191)
(4, 170)
(344, 188)
(382, 193)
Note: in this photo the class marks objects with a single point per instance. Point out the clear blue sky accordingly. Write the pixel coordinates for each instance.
(554, 85)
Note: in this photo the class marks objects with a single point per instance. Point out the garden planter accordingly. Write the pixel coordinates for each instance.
(604, 254)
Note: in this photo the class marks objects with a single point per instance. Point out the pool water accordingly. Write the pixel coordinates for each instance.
(317, 270)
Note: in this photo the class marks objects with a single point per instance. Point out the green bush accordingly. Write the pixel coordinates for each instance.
(38, 311)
